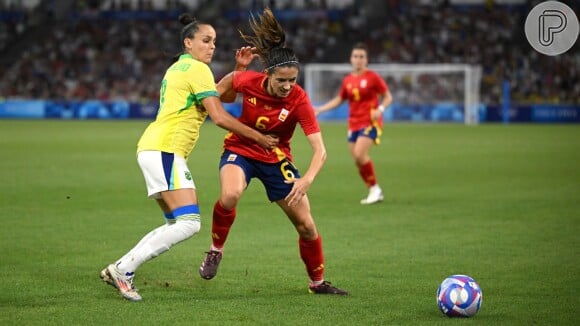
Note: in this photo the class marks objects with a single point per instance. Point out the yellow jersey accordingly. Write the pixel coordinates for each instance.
(180, 115)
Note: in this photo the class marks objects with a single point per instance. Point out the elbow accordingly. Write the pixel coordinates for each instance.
(228, 97)
(323, 156)
(220, 121)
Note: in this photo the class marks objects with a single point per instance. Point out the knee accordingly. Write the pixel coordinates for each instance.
(361, 159)
(229, 198)
(188, 226)
(307, 231)
(187, 220)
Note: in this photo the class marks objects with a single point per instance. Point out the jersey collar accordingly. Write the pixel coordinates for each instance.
(185, 56)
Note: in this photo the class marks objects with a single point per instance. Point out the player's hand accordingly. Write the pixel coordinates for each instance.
(316, 112)
(376, 114)
(268, 141)
(299, 188)
(244, 56)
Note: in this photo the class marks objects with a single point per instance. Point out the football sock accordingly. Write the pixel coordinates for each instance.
(129, 256)
(169, 219)
(313, 258)
(367, 173)
(316, 283)
(187, 223)
(221, 224)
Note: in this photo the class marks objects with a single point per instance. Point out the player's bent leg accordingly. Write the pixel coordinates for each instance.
(310, 246)
(233, 183)
(300, 216)
(187, 223)
(360, 153)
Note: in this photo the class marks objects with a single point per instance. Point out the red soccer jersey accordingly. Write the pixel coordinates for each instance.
(362, 93)
(270, 115)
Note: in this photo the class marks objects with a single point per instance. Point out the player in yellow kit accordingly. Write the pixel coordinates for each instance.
(188, 95)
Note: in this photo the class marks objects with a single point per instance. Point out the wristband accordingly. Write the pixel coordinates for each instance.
(381, 108)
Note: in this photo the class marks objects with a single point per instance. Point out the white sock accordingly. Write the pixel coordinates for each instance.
(214, 248)
(159, 241)
(316, 283)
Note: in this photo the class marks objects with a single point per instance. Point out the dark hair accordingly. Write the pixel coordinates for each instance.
(191, 26)
(269, 40)
(361, 46)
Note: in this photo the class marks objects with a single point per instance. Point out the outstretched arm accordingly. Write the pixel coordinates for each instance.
(336, 101)
(224, 120)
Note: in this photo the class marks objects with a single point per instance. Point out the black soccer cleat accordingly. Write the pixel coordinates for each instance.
(326, 288)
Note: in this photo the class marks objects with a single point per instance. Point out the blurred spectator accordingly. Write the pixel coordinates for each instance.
(107, 58)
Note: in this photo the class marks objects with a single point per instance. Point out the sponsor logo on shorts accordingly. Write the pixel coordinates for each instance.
(232, 157)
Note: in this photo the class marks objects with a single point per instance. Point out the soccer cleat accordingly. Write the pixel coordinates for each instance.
(326, 288)
(209, 266)
(123, 283)
(375, 196)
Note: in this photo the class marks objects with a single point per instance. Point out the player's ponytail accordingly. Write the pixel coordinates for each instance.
(191, 25)
(269, 39)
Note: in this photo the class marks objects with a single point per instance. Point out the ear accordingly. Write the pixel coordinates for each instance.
(187, 42)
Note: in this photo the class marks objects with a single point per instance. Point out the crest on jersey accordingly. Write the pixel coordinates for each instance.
(363, 83)
(283, 115)
(232, 157)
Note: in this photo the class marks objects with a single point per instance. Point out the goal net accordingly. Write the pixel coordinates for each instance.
(421, 92)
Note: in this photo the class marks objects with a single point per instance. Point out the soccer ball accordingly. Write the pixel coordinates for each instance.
(459, 296)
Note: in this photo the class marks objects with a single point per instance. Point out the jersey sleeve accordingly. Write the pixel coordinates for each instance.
(203, 85)
(306, 117)
(240, 78)
(380, 84)
(343, 92)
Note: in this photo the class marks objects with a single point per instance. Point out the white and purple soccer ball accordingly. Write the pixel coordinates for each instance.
(459, 296)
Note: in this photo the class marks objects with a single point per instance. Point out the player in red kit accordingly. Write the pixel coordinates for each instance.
(274, 104)
(362, 88)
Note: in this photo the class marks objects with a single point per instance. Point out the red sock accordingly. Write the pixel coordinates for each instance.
(313, 257)
(221, 224)
(367, 173)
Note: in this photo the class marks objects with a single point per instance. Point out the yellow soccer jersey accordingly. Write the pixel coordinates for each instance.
(180, 114)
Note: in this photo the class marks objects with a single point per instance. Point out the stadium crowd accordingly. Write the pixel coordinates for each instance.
(120, 50)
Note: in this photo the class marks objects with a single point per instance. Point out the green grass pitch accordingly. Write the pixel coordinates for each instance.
(498, 203)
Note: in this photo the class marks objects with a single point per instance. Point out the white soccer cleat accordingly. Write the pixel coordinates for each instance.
(123, 283)
(375, 196)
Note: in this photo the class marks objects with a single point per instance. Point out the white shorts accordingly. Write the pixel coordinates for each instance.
(163, 172)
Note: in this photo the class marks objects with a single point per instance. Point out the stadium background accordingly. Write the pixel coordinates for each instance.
(496, 202)
(75, 59)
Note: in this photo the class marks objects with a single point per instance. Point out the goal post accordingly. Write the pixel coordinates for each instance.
(421, 92)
